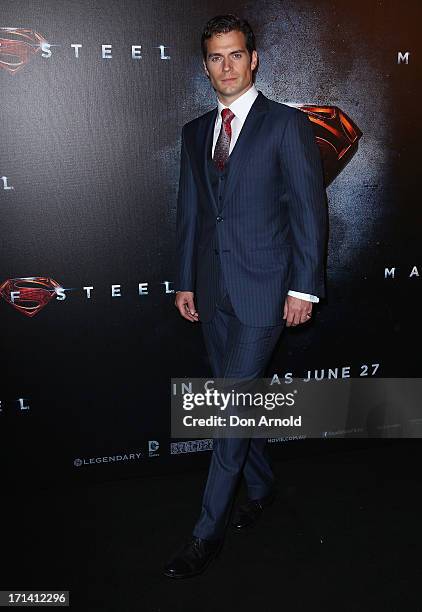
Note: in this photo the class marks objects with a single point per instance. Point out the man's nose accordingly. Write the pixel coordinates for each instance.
(227, 64)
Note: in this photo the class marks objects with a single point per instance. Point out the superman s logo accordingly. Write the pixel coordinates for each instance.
(337, 137)
(18, 47)
(29, 295)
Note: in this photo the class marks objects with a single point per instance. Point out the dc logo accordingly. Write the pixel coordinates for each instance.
(77, 462)
(153, 447)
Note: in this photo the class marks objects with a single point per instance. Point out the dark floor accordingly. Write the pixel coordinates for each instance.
(345, 534)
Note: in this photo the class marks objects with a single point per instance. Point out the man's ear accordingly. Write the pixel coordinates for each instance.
(254, 60)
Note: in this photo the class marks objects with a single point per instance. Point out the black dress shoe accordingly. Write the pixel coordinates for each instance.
(247, 514)
(193, 558)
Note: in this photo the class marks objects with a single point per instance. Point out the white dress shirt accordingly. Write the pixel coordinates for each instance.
(241, 107)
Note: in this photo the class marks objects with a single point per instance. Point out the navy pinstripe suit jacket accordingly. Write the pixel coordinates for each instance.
(273, 230)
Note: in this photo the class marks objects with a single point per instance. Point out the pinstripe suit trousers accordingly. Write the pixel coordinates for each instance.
(235, 350)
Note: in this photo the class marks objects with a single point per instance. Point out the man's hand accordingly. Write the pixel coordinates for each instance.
(186, 306)
(296, 311)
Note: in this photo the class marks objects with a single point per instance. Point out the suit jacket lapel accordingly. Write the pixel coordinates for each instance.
(246, 142)
(206, 154)
(242, 150)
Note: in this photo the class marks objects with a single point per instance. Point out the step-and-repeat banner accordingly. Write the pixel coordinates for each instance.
(93, 98)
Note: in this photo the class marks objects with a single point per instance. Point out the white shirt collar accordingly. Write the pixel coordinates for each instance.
(242, 105)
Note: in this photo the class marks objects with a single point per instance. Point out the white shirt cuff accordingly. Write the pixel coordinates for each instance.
(304, 296)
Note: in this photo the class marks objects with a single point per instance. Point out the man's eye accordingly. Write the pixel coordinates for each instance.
(215, 59)
(237, 55)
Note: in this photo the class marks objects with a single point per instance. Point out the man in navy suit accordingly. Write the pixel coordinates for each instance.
(251, 233)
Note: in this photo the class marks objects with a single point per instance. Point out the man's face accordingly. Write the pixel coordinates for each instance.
(228, 65)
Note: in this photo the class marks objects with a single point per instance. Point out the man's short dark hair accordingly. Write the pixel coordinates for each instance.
(228, 23)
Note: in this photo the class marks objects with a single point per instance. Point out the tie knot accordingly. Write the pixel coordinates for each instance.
(227, 115)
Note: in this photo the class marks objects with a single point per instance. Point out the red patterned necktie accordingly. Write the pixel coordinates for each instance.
(222, 146)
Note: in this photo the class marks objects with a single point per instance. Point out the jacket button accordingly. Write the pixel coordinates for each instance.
(219, 219)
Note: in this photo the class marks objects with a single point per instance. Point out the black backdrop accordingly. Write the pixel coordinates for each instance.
(89, 161)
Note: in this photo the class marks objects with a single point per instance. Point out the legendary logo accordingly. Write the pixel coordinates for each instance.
(29, 295)
(18, 47)
(336, 135)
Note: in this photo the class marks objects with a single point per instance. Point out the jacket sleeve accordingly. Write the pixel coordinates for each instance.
(186, 224)
(305, 195)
